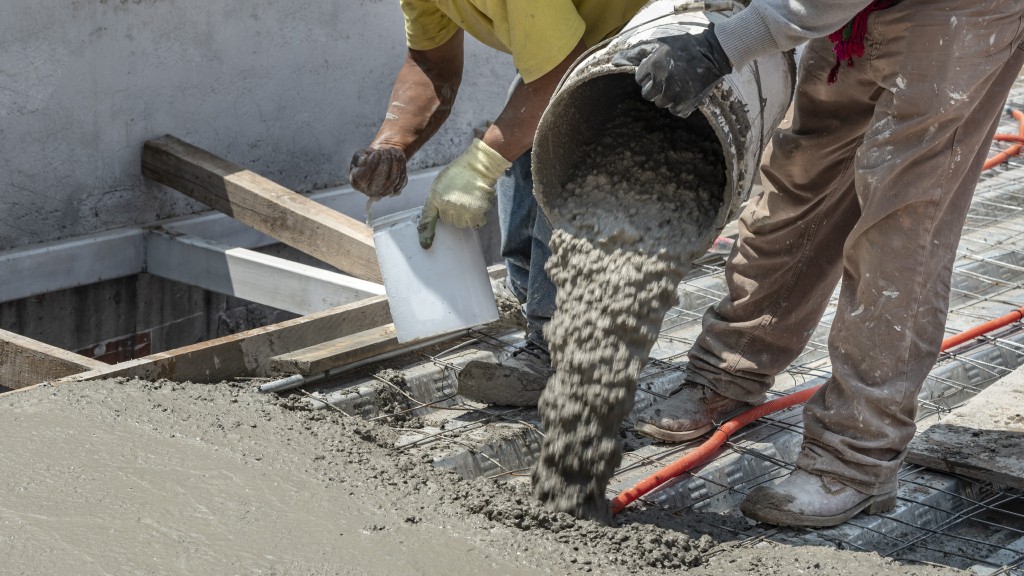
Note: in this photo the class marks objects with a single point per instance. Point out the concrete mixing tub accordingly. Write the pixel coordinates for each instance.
(742, 111)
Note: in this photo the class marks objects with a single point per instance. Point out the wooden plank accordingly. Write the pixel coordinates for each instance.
(222, 228)
(60, 265)
(252, 276)
(359, 347)
(248, 353)
(339, 352)
(983, 439)
(24, 361)
(268, 207)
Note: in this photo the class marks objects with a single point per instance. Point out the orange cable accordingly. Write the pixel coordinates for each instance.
(707, 450)
(1014, 150)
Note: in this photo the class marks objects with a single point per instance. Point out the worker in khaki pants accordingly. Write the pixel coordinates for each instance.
(871, 184)
(544, 38)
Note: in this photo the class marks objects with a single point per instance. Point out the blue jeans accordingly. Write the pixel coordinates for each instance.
(525, 233)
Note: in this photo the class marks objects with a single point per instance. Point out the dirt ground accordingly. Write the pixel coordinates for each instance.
(130, 477)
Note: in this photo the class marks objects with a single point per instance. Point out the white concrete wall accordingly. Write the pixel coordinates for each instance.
(290, 89)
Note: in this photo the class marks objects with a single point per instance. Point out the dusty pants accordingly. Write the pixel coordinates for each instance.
(871, 185)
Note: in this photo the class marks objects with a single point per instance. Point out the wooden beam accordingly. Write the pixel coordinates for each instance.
(367, 345)
(24, 361)
(247, 353)
(982, 439)
(224, 229)
(60, 265)
(339, 352)
(271, 208)
(252, 276)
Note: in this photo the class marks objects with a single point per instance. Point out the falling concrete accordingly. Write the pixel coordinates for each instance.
(633, 218)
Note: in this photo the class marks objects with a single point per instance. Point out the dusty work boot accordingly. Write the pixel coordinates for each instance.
(806, 499)
(517, 379)
(687, 414)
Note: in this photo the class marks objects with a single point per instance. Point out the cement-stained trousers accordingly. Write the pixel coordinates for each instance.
(870, 184)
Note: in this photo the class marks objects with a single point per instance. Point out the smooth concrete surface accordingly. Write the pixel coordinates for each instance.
(288, 89)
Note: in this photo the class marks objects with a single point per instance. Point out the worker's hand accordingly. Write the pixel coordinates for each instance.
(378, 172)
(463, 191)
(678, 72)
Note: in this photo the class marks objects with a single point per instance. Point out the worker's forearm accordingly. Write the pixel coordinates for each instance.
(769, 26)
(422, 97)
(512, 132)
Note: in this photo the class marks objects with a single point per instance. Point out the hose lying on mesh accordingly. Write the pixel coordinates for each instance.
(707, 450)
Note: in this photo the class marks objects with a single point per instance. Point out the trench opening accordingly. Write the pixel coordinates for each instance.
(128, 318)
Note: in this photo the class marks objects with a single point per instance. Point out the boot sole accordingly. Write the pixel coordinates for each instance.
(870, 505)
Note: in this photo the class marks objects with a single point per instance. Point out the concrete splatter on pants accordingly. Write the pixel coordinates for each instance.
(870, 184)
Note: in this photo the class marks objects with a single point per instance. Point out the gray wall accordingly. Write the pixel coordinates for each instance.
(289, 89)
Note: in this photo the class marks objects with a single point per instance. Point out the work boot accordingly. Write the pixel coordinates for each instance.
(517, 379)
(806, 499)
(687, 414)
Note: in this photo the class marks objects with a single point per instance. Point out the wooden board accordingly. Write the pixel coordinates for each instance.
(24, 361)
(248, 353)
(339, 352)
(289, 217)
(376, 343)
(983, 439)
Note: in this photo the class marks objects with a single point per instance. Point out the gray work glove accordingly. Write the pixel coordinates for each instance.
(678, 72)
(378, 172)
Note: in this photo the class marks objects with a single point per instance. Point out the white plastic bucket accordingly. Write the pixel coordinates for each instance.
(431, 292)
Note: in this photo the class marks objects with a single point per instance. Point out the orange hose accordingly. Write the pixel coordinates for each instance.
(981, 329)
(705, 451)
(1014, 150)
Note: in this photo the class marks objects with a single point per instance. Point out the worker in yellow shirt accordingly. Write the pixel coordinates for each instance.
(544, 38)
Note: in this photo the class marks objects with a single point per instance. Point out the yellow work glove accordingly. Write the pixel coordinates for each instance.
(463, 191)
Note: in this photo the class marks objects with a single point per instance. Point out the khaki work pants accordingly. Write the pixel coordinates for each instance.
(871, 184)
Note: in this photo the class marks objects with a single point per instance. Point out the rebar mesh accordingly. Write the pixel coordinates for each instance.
(939, 518)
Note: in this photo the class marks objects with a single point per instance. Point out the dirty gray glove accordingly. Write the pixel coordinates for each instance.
(378, 172)
(678, 72)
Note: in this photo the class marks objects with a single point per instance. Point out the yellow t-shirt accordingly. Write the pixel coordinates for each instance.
(538, 33)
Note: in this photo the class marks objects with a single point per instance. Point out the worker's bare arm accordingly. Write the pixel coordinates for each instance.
(420, 102)
(422, 97)
(512, 133)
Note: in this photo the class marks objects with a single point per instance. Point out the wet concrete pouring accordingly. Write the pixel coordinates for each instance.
(389, 471)
(627, 226)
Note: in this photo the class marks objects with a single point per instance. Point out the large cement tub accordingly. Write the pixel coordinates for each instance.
(742, 112)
